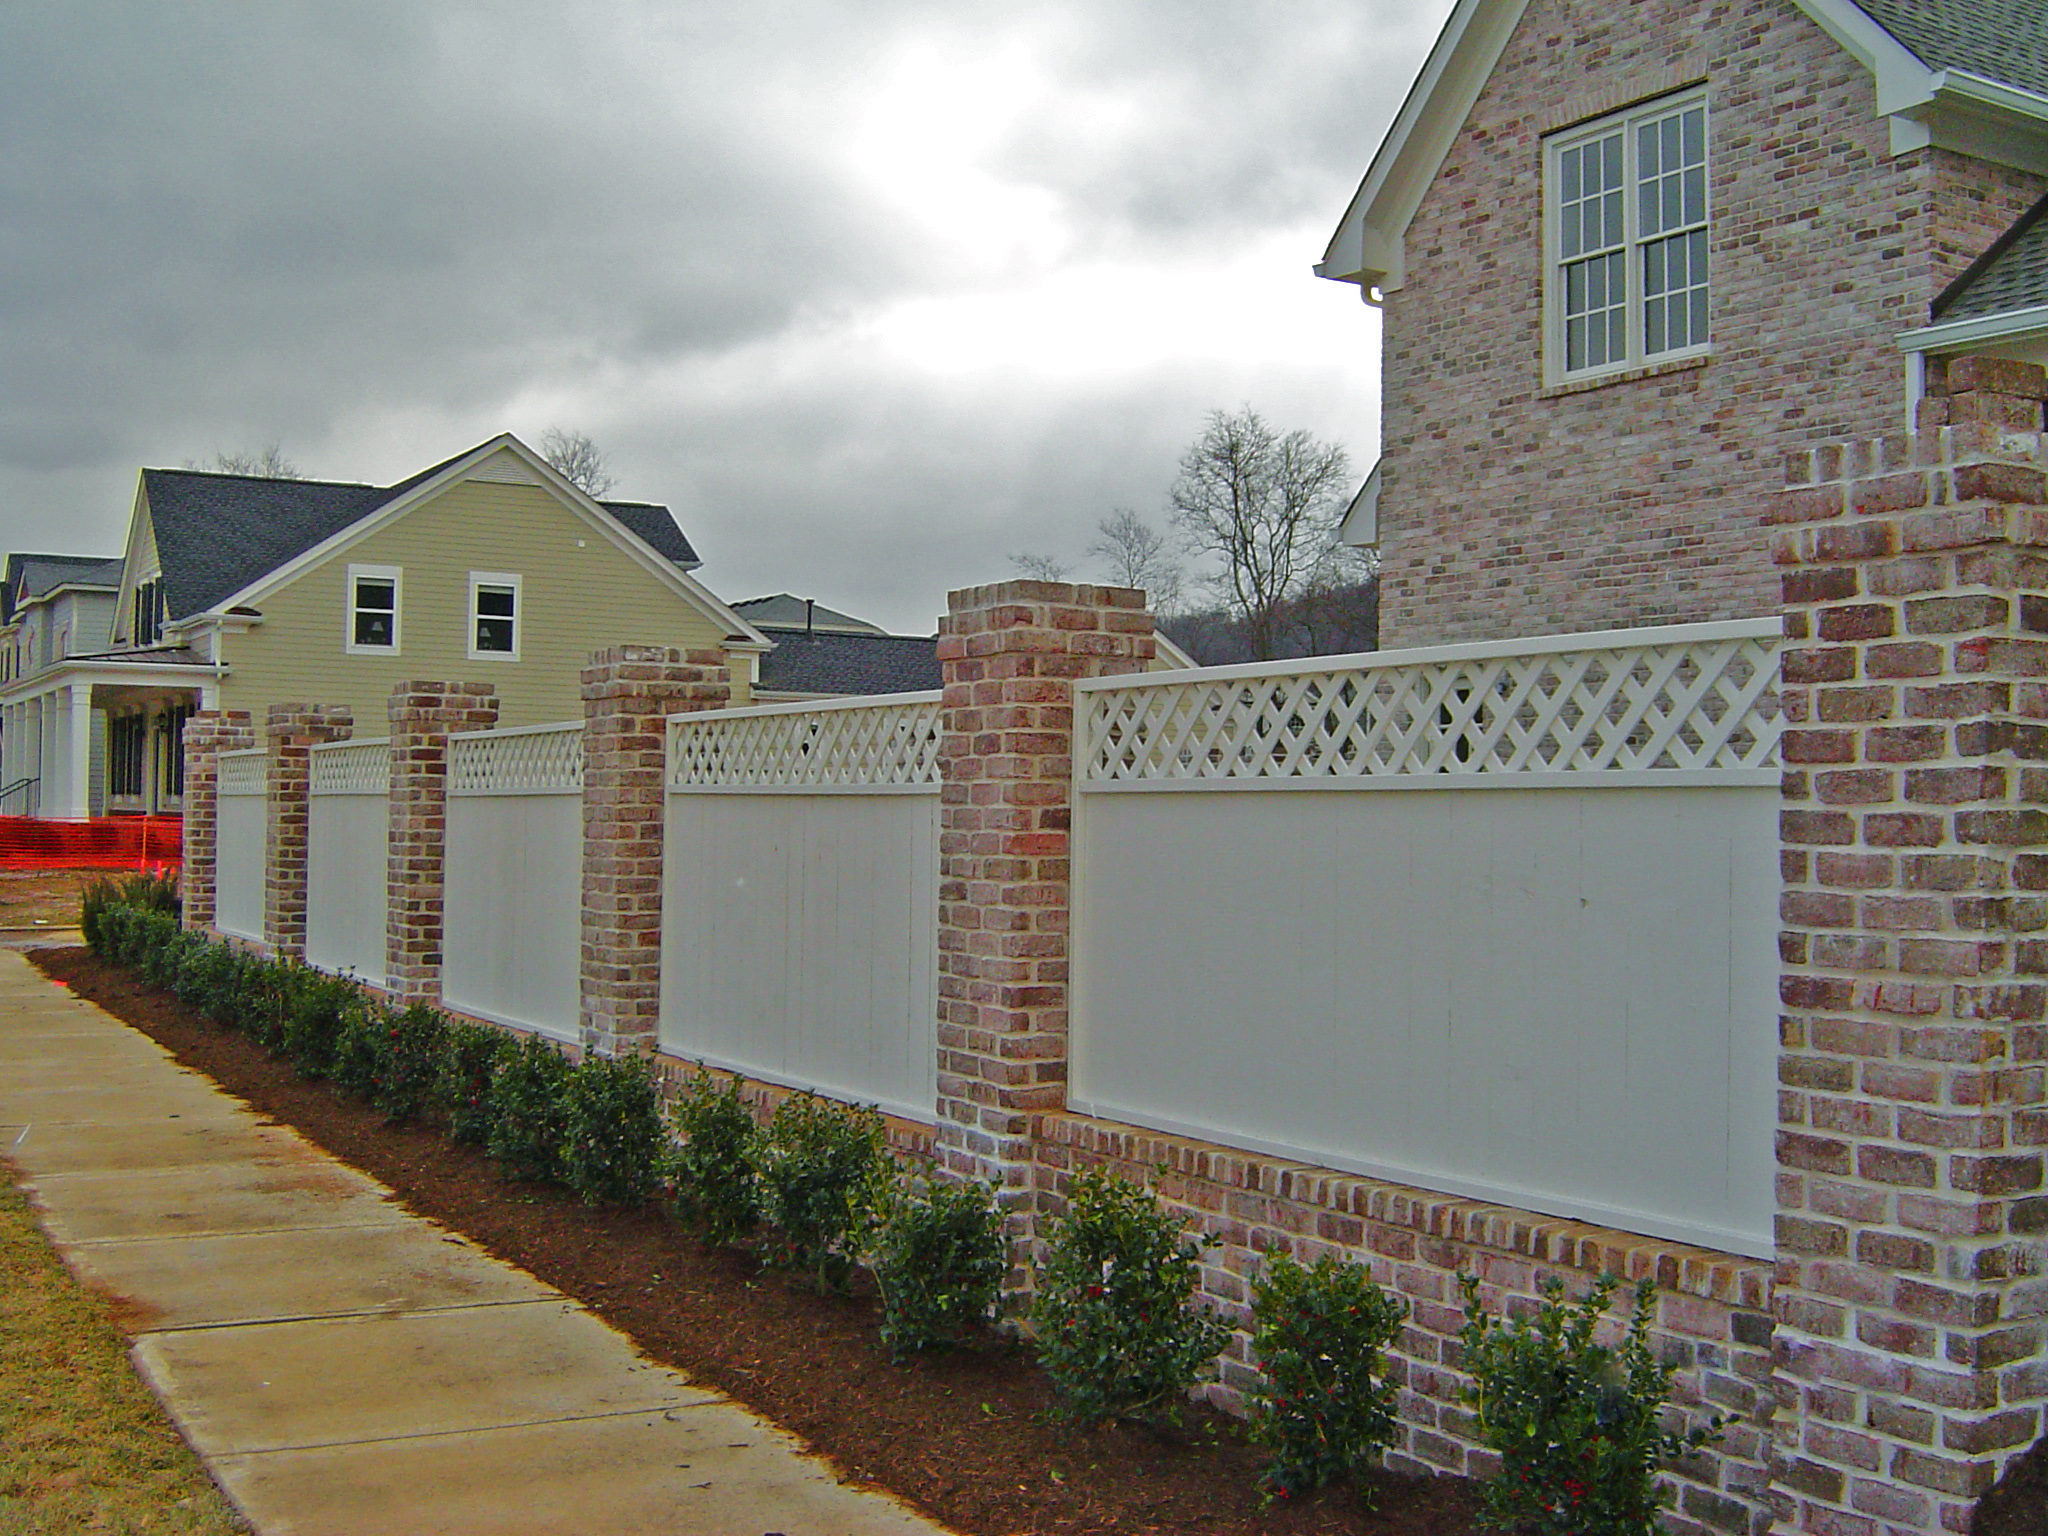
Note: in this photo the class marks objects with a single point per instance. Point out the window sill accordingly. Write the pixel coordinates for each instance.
(1627, 376)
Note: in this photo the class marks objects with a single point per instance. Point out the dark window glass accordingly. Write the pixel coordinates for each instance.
(495, 617)
(376, 611)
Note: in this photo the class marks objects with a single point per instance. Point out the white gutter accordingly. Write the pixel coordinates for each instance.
(1962, 333)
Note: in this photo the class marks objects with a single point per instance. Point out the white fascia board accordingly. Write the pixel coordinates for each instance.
(1902, 80)
(131, 574)
(1952, 108)
(1367, 247)
(1361, 525)
(2013, 325)
(602, 522)
(1167, 651)
(113, 674)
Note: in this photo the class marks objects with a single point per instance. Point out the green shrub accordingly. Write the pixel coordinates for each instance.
(312, 1029)
(160, 947)
(1577, 1423)
(716, 1187)
(1321, 1404)
(414, 1046)
(1118, 1328)
(529, 1111)
(818, 1163)
(939, 1258)
(145, 891)
(470, 1057)
(207, 979)
(615, 1136)
(356, 1060)
(269, 993)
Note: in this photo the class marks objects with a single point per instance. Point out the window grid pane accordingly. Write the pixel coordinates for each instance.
(1658, 206)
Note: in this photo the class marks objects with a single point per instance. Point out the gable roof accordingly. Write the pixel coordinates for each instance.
(786, 612)
(1968, 74)
(2012, 275)
(217, 534)
(2001, 40)
(842, 662)
(33, 576)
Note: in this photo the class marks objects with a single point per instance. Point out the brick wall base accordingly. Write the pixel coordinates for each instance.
(1714, 1314)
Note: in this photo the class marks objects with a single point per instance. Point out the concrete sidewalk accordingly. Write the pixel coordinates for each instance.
(346, 1367)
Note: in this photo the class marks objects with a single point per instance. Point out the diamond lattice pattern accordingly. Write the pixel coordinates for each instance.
(244, 772)
(840, 745)
(352, 768)
(1695, 705)
(517, 762)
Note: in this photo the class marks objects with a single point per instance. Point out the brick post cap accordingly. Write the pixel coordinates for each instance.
(308, 719)
(1065, 593)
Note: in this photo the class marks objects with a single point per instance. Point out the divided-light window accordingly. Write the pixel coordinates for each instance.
(1627, 215)
(494, 614)
(373, 613)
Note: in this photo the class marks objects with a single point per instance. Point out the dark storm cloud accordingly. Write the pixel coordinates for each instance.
(226, 224)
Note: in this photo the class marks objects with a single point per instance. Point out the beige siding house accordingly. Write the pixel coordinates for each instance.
(238, 592)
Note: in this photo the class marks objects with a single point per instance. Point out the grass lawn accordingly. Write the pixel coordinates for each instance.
(83, 1445)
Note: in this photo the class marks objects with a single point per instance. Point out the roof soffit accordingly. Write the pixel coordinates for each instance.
(1950, 108)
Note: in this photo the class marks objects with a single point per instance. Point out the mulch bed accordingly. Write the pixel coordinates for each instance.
(962, 1435)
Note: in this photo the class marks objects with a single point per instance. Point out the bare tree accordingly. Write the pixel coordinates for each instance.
(1139, 555)
(1266, 505)
(1041, 567)
(265, 463)
(577, 460)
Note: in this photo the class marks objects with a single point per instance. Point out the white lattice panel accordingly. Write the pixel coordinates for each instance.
(887, 742)
(1695, 698)
(244, 772)
(352, 768)
(526, 760)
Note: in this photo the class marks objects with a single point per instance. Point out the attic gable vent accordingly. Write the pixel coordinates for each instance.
(504, 469)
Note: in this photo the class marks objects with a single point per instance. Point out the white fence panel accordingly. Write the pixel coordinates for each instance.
(1538, 968)
(346, 863)
(241, 837)
(512, 923)
(800, 897)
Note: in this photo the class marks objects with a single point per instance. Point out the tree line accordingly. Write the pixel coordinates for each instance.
(1259, 510)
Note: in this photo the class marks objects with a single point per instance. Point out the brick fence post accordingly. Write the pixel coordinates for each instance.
(207, 734)
(1913, 1103)
(292, 730)
(1011, 654)
(423, 713)
(629, 691)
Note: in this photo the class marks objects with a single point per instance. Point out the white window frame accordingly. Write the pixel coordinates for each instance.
(395, 574)
(1635, 353)
(478, 580)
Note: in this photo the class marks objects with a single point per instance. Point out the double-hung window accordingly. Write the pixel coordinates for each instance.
(493, 615)
(373, 609)
(1626, 212)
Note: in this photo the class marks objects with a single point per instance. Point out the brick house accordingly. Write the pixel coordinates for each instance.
(1629, 254)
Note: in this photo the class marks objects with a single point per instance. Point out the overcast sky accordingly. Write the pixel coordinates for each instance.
(872, 293)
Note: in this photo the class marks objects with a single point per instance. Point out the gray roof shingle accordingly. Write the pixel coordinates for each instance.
(216, 534)
(836, 662)
(2012, 275)
(33, 575)
(2002, 40)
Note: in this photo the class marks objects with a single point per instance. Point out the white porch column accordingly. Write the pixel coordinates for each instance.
(67, 791)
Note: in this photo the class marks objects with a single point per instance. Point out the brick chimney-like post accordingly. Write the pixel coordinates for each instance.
(1011, 654)
(1913, 1104)
(292, 730)
(423, 714)
(629, 691)
(207, 734)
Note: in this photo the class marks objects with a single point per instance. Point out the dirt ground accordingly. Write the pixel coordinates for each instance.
(962, 1436)
(43, 898)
